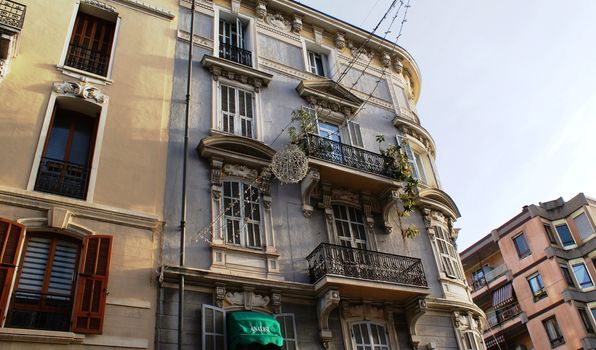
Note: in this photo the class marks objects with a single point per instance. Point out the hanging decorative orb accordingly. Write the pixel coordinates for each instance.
(289, 164)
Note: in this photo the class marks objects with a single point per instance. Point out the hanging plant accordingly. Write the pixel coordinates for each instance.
(397, 166)
(306, 122)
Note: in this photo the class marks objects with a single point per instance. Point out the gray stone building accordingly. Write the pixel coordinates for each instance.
(326, 260)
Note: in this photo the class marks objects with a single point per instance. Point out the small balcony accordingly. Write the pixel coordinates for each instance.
(91, 61)
(12, 15)
(365, 272)
(62, 178)
(235, 54)
(488, 277)
(502, 315)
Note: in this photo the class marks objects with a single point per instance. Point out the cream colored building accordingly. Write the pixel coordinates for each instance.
(85, 90)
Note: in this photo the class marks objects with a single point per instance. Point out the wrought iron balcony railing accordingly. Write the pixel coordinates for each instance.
(236, 54)
(331, 259)
(12, 15)
(63, 178)
(489, 277)
(504, 314)
(91, 61)
(336, 152)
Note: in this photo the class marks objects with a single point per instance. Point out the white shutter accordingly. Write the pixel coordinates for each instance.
(288, 331)
(355, 135)
(240, 36)
(213, 328)
(402, 142)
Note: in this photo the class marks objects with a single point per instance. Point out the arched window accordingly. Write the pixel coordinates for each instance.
(242, 214)
(369, 336)
(349, 223)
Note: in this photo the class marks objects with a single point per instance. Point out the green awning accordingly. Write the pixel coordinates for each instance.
(246, 327)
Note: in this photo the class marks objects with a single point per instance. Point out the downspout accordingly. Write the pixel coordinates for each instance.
(184, 175)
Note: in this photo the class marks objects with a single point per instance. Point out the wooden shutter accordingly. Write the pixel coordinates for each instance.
(92, 285)
(11, 240)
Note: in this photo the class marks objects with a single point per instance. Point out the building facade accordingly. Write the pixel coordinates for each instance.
(85, 91)
(534, 277)
(325, 261)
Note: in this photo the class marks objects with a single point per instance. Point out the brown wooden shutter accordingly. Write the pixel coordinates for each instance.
(92, 285)
(11, 239)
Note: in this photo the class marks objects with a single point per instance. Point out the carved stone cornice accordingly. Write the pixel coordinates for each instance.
(81, 90)
(235, 71)
(438, 201)
(407, 127)
(100, 5)
(327, 94)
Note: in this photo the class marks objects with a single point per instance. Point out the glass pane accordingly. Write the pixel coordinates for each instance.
(56, 148)
(219, 322)
(565, 235)
(357, 334)
(81, 140)
(581, 273)
(521, 245)
(209, 319)
(34, 265)
(583, 226)
(63, 268)
(209, 342)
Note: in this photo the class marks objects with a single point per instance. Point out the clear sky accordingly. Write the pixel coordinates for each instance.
(509, 95)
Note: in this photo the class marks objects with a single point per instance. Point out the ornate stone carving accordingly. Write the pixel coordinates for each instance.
(99, 5)
(307, 187)
(267, 202)
(326, 303)
(318, 35)
(4, 64)
(235, 6)
(216, 172)
(81, 90)
(389, 201)
(240, 171)
(217, 71)
(264, 181)
(220, 294)
(236, 298)
(261, 9)
(340, 40)
(360, 52)
(276, 302)
(278, 21)
(297, 24)
(398, 65)
(386, 59)
(247, 298)
(341, 194)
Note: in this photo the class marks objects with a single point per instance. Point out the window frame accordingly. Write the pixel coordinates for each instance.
(586, 319)
(327, 56)
(355, 134)
(371, 345)
(540, 293)
(281, 319)
(238, 119)
(95, 78)
(574, 264)
(528, 251)
(243, 221)
(204, 333)
(447, 254)
(588, 220)
(476, 340)
(312, 56)
(550, 234)
(567, 274)
(249, 33)
(354, 241)
(558, 340)
(562, 223)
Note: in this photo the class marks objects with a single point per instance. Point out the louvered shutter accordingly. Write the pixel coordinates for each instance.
(401, 142)
(92, 285)
(11, 239)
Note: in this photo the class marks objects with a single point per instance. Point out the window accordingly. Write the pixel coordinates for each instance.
(448, 254)
(471, 341)
(350, 226)
(316, 63)
(355, 135)
(242, 214)
(232, 41)
(567, 275)
(54, 285)
(415, 159)
(537, 286)
(90, 45)
(287, 326)
(565, 235)
(521, 245)
(593, 310)
(550, 234)
(583, 314)
(584, 228)
(553, 332)
(369, 336)
(214, 321)
(582, 276)
(329, 131)
(66, 160)
(237, 111)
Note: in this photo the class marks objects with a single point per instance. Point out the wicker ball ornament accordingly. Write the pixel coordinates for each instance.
(289, 164)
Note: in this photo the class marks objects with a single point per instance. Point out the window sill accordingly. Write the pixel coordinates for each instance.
(223, 133)
(84, 76)
(40, 336)
(254, 251)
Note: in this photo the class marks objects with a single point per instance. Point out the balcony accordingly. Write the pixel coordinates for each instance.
(62, 178)
(91, 61)
(365, 272)
(12, 15)
(235, 54)
(488, 277)
(335, 152)
(502, 315)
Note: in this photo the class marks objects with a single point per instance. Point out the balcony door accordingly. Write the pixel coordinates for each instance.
(232, 43)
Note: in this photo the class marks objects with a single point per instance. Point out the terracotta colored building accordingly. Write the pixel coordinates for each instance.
(535, 277)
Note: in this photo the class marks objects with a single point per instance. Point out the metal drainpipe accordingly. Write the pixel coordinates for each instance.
(184, 176)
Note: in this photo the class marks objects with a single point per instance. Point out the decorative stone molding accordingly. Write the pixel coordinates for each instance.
(148, 8)
(417, 133)
(325, 304)
(276, 302)
(307, 186)
(235, 6)
(216, 166)
(261, 9)
(318, 35)
(398, 65)
(329, 98)
(81, 90)
(59, 217)
(99, 5)
(360, 52)
(389, 202)
(297, 24)
(247, 298)
(220, 295)
(340, 40)
(345, 195)
(264, 181)
(220, 67)
(414, 311)
(240, 171)
(279, 21)
(386, 59)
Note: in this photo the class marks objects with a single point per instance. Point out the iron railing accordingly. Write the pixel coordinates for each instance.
(12, 14)
(63, 178)
(331, 259)
(236, 54)
(336, 152)
(91, 61)
(489, 277)
(32, 309)
(502, 315)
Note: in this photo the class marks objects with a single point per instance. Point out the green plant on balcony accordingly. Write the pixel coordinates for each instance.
(306, 123)
(397, 166)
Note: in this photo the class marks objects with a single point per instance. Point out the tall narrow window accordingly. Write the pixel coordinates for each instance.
(583, 225)
(405, 147)
(90, 45)
(214, 325)
(521, 245)
(355, 134)
(232, 41)
(237, 111)
(565, 235)
(369, 336)
(242, 214)
(553, 332)
(471, 341)
(350, 226)
(582, 276)
(550, 234)
(567, 275)
(66, 161)
(448, 254)
(537, 286)
(316, 63)
(583, 314)
(288, 330)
